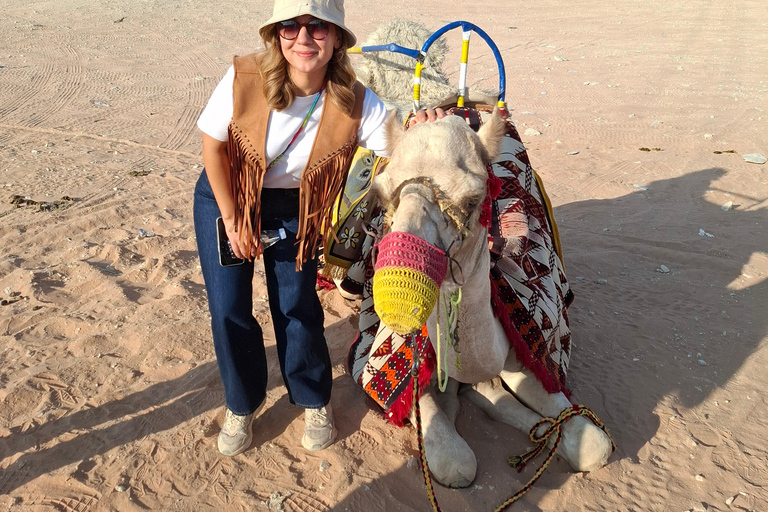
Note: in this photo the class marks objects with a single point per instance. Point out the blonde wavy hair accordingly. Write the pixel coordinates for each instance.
(279, 88)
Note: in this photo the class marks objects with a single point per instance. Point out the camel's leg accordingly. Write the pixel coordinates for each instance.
(450, 459)
(493, 398)
(502, 406)
(585, 446)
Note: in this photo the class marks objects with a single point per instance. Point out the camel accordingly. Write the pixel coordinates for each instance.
(448, 160)
(434, 191)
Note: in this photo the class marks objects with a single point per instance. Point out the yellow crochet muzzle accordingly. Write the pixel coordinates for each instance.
(407, 281)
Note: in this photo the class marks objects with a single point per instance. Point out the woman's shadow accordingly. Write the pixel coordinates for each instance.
(84, 435)
(97, 430)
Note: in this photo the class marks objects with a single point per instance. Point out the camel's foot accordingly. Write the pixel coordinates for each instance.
(450, 459)
(584, 445)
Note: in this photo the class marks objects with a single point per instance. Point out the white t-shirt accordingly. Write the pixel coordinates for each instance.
(286, 173)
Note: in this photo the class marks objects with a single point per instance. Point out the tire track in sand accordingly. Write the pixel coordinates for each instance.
(38, 80)
(69, 89)
(184, 130)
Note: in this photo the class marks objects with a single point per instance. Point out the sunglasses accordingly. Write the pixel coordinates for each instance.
(317, 29)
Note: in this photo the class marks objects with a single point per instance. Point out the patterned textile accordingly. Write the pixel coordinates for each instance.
(530, 292)
(351, 212)
(380, 360)
(527, 272)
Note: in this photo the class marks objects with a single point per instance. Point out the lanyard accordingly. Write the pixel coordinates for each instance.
(301, 128)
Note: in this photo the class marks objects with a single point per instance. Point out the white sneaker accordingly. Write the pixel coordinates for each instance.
(236, 433)
(319, 432)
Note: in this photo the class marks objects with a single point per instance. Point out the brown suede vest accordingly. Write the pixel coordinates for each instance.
(321, 180)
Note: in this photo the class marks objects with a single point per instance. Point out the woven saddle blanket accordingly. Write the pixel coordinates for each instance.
(530, 293)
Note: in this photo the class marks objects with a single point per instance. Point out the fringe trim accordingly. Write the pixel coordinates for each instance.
(332, 271)
(522, 351)
(246, 177)
(318, 190)
(399, 410)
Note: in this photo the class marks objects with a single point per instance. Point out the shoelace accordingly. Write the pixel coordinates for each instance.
(318, 417)
(234, 423)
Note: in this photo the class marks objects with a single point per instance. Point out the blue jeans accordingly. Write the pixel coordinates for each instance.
(297, 314)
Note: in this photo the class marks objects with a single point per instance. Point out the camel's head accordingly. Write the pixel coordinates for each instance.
(435, 182)
(433, 188)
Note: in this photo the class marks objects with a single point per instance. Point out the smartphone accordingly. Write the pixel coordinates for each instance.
(226, 257)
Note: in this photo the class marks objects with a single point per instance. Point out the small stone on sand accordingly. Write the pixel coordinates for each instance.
(755, 158)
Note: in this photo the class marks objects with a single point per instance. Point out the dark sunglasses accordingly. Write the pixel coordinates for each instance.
(317, 29)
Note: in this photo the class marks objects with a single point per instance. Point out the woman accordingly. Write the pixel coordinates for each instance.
(279, 133)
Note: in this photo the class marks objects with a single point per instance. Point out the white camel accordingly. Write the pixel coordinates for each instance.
(452, 158)
(434, 187)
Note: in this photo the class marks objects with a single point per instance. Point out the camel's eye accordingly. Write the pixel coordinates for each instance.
(472, 203)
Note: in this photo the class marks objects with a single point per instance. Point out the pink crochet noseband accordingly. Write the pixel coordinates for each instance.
(400, 249)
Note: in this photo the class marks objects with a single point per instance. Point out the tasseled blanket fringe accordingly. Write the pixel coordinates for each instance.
(334, 272)
(522, 351)
(399, 410)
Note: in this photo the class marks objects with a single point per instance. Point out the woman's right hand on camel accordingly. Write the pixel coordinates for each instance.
(426, 115)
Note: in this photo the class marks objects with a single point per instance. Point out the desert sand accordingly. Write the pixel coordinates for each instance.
(110, 394)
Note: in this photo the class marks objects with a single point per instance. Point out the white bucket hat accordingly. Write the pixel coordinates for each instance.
(328, 10)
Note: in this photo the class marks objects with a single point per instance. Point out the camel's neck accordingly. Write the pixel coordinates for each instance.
(470, 266)
(482, 346)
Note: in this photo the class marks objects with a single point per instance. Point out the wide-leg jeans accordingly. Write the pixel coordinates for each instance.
(297, 314)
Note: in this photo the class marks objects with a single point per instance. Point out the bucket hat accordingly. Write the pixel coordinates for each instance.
(328, 10)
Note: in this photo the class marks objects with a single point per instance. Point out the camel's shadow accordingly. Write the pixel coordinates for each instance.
(634, 327)
(650, 343)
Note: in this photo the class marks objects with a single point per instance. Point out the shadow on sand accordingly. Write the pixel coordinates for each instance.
(631, 324)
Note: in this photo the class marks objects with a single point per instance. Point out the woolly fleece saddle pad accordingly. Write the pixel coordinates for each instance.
(530, 292)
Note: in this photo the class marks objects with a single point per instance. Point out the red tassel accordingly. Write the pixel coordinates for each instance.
(398, 411)
(325, 283)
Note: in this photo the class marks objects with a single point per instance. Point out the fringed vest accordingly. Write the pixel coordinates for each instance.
(321, 180)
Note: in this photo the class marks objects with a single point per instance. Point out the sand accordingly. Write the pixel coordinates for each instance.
(110, 393)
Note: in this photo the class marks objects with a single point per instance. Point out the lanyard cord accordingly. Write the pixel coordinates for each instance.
(301, 128)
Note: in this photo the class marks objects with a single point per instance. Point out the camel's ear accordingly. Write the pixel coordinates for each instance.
(394, 131)
(491, 134)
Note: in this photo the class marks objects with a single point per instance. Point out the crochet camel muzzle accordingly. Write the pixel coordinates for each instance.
(407, 281)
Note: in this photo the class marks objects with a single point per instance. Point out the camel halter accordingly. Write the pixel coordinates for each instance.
(410, 270)
(459, 216)
(451, 304)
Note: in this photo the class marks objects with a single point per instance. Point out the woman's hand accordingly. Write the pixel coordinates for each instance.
(216, 163)
(241, 249)
(426, 115)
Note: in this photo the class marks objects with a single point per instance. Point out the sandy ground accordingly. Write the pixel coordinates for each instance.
(110, 393)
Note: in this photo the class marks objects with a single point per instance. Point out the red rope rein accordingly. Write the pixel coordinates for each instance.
(518, 462)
